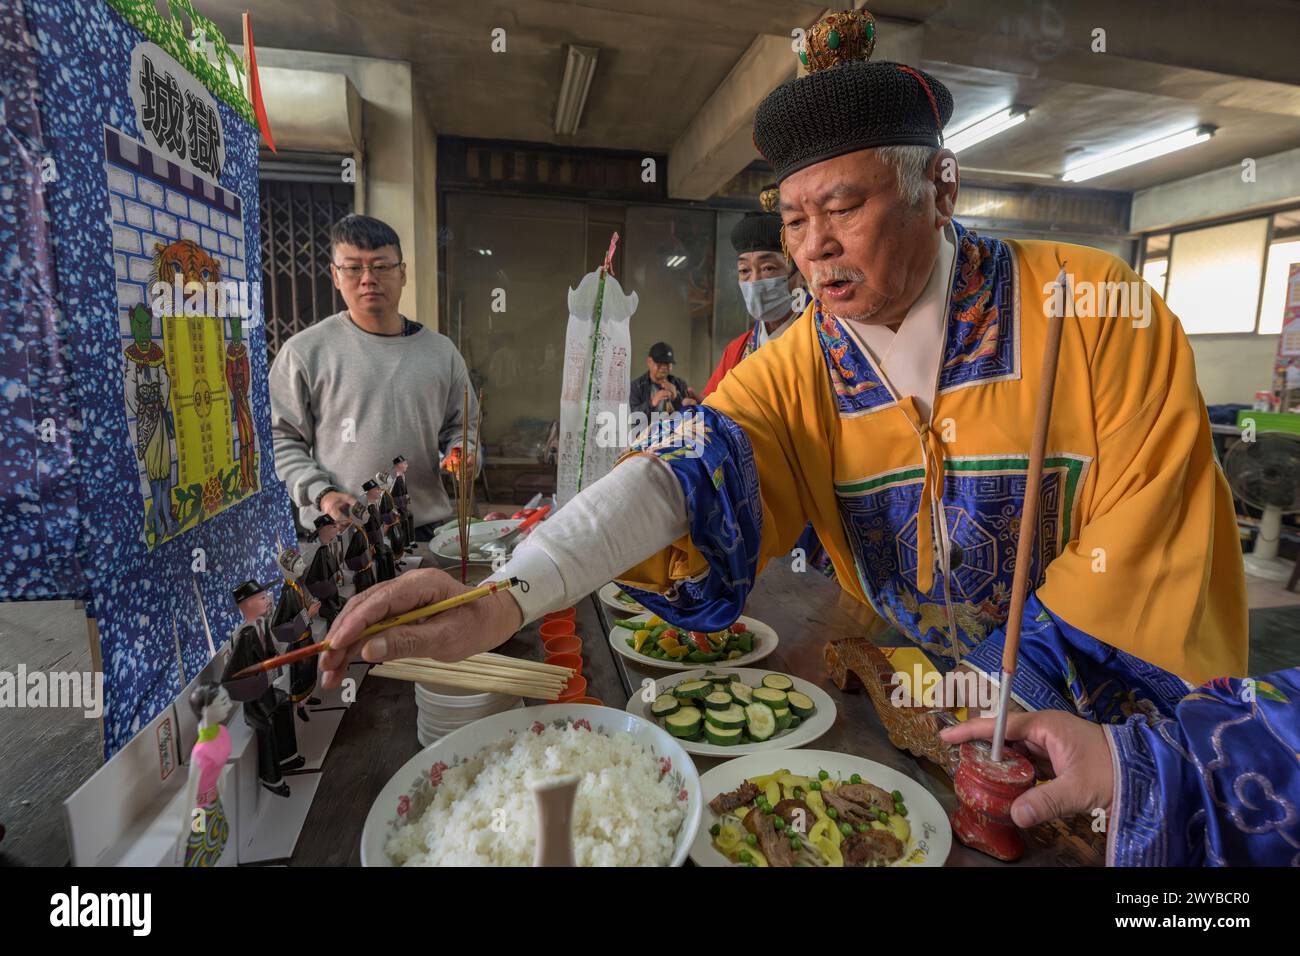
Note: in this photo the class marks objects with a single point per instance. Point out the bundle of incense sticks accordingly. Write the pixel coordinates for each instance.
(493, 673)
(463, 477)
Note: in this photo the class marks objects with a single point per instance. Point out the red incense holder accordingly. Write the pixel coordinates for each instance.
(985, 792)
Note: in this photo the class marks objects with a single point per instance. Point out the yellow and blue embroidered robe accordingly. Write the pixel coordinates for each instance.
(1216, 785)
(1138, 584)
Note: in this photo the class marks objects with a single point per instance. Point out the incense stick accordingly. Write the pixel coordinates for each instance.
(1029, 515)
(462, 511)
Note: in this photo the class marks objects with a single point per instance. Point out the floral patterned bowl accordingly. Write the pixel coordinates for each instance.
(408, 793)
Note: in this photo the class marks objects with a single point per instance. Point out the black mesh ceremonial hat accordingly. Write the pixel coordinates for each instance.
(847, 103)
(399, 459)
(370, 483)
(760, 231)
(247, 590)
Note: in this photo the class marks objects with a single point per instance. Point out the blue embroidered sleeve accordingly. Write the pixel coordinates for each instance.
(1216, 785)
(711, 457)
(1063, 668)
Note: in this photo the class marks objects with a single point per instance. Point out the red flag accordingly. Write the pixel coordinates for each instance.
(255, 85)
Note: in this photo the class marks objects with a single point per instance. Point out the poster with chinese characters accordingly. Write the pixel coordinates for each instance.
(137, 446)
(184, 299)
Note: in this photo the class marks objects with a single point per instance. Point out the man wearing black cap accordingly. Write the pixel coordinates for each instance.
(266, 707)
(765, 278)
(897, 415)
(659, 390)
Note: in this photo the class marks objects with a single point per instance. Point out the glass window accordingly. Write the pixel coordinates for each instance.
(1214, 276)
(510, 263)
(1154, 272)
(730, 317)
(668, 262)
(1282, 255)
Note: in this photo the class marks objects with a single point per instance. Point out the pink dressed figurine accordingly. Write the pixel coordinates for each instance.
(205, 830)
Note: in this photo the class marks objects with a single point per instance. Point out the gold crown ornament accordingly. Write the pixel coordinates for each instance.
(839, 38)
(770, 198)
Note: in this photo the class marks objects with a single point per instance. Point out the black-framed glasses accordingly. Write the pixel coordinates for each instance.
(377, 269)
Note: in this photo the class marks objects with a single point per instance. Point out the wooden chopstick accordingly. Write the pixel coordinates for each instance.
(490, 670)
(495, 670)
(499, 659)
(420, 675)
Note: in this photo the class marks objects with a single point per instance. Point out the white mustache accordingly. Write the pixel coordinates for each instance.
(827, 274)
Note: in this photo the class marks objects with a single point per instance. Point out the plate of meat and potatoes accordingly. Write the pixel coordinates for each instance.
(817, 808)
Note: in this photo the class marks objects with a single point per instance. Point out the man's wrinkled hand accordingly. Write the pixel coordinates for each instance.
(1075, 749)
(450, 636)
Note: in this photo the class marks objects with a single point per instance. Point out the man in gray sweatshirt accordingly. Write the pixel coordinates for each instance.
(364, 385)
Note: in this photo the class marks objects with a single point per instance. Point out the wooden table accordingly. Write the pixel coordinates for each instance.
(377, 735)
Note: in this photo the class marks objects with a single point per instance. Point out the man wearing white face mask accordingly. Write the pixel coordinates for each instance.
(764, 275)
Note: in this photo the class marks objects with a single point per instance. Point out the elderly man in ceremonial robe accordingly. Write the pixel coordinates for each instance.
(896, 415)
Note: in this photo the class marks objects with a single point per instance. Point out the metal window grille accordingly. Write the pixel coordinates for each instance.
(296, 220)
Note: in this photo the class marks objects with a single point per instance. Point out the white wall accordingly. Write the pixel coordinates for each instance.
(1219, 193)
(1232, 368)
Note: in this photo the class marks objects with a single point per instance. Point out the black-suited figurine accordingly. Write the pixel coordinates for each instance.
(291, 626)
(358, 557)
(266, 707)
(385, 563)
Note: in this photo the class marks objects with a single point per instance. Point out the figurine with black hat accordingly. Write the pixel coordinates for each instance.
(266, 707)
(322, 578)
(291, 626)
(385, 563)
(391, 518)
(359, 557)
(402, 498)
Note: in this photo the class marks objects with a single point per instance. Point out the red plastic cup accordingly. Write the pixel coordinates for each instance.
(564, 644)
(572, 661)
(568, 614)
(551, 629)
(575, 688)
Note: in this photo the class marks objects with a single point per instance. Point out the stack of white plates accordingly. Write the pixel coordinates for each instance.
(441, 710)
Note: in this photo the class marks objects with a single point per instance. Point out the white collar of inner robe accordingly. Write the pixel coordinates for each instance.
(764, 336)
(909, 358)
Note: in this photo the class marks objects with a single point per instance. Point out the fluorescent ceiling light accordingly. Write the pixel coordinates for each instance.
(674, 261)
(1130, 155)
(579, 68)
(980, 130)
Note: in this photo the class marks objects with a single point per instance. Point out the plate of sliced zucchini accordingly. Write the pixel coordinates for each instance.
(728, 712)
(649, 640)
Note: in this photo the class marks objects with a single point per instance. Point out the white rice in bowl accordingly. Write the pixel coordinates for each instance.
(626, 812)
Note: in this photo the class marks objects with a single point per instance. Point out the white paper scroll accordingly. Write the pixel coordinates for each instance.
(594, 400)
